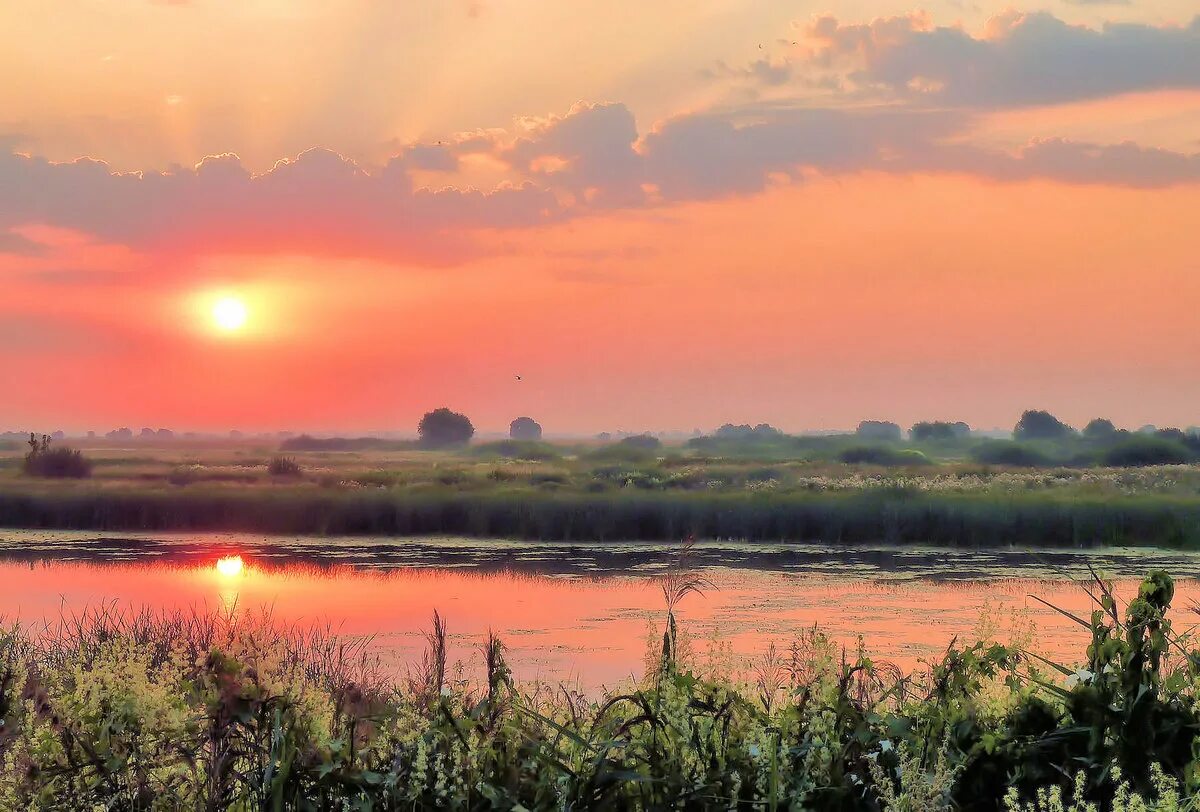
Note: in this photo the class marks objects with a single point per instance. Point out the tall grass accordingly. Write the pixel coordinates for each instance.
(144, 711)
(900, 516)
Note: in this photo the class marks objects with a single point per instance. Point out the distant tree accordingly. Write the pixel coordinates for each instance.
(1041, 425)
(120, 434)
(1174, 435)
(939, 430)
(146, 434)
(91, 435)
(442, 427)
(1099, 429)
(604, 436)
(744, 431)
(164, 434)
(59, 435)
(878, 430)
(525, 428)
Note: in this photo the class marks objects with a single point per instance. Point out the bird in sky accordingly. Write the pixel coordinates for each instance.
(518, 377)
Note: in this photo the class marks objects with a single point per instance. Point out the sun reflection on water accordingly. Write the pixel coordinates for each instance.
(230, 566)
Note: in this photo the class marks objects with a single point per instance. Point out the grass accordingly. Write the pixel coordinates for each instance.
(617, 492)
(898, 517)
(144, 711)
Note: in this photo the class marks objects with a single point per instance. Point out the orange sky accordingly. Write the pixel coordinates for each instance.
(659, 225)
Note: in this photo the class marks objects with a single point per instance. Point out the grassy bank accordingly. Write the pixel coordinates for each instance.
(899, 516)
(153, 712)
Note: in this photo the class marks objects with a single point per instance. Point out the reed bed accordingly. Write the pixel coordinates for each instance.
(1036, 518)
(150, 711)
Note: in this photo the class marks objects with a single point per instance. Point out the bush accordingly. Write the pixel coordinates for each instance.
(525, 428)
(1142, 450)
(645, 442)
(744, 431)
(443, 428)
(939, 431)
(1009, 452)
(55, 463)
(284, 466)
(882, 455)
(883, 430)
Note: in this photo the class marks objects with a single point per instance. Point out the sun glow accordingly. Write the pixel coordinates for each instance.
(230, 566)
(229, 314)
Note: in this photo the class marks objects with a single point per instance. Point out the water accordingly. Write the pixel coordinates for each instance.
(581, 614)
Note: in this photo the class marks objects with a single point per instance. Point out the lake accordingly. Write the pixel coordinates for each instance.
(575, 613)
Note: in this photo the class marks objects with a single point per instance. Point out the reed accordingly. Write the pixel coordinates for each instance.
(146, 711)
(901, 516)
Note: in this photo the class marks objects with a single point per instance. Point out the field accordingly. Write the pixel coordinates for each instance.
(789, 489)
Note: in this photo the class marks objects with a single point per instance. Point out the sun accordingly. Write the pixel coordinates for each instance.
(229, 314)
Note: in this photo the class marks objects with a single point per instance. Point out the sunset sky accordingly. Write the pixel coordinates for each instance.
(661, 215)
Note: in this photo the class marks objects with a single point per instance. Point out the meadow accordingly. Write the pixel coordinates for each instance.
(146, 711)
(830, 489)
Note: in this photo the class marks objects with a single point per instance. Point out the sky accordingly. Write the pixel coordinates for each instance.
(661, 216)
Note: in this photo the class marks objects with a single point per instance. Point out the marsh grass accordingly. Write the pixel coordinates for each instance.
(481, 506)
(141, 710)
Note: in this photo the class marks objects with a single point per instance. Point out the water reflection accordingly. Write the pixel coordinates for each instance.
(574, 613)
(230, 566)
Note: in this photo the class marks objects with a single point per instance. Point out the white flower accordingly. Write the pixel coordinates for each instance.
(1082, 676)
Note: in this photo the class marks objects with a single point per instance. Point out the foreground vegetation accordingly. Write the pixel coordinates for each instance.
(145, 712)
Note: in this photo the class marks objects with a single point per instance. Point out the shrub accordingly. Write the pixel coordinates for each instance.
(443, 428)
(1141, 450)
(882, 455)
(1009, 452)
(883, 430)
(645, 442)
(939, 431)
(525, 428)
(284, 466)
(744, 431)
(55, 463)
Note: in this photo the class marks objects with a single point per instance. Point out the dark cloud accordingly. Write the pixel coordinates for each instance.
(318, 202)
(590, 159)
(714, 155)
(1059, 159)
(590, 150)
(1024, 59)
